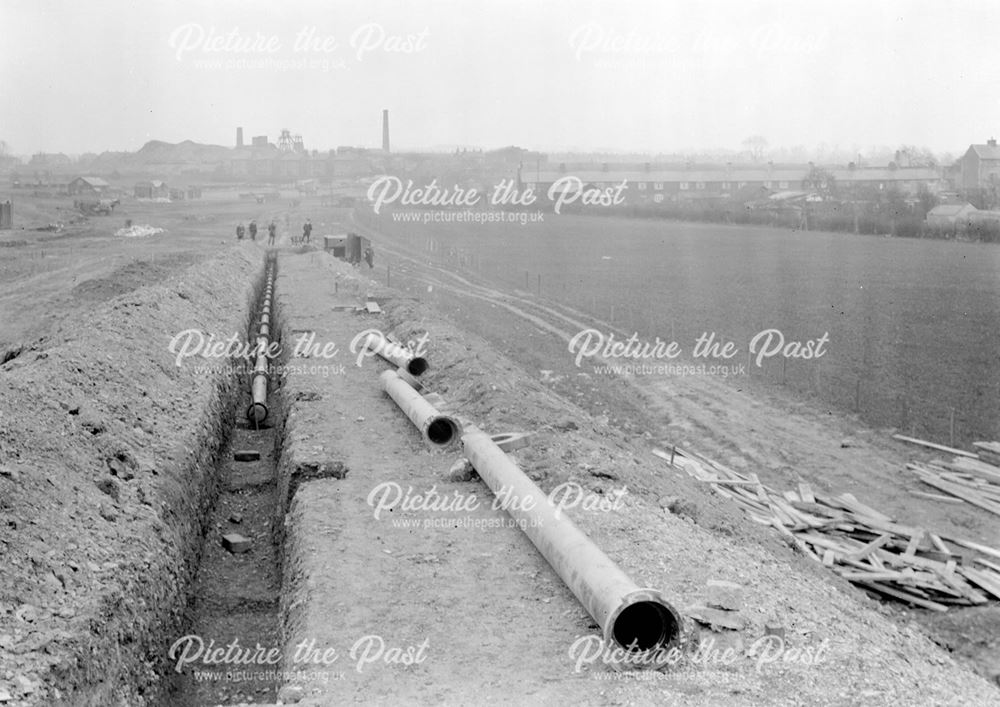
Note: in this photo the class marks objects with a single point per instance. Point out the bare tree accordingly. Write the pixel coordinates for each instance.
(756, 145)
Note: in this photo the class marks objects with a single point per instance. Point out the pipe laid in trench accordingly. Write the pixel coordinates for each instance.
(257, 412)
(440, 430)
(395, 354)
(639, 623)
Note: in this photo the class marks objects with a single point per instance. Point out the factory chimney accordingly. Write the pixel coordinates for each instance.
(239, 137)
(385, 130)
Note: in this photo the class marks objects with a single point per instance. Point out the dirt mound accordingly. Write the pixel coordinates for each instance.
(106, 443)
(136, 274)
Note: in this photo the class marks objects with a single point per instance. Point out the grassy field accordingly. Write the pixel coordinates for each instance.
(913, 325)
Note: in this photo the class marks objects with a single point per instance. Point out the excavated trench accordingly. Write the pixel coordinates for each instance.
(234, 602)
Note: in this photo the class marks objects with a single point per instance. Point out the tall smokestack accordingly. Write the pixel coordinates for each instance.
(239, 137)
(385, 130)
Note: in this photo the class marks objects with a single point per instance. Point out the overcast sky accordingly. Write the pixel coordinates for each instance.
(651, 75)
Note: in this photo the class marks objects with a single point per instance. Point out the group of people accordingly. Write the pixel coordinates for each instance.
(272, 231)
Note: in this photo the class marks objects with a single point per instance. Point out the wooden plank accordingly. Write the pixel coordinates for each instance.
(937, 497)
(761, 492)
(858, 507)
(887, 575)
(984, 549)
(986, 563)
(939, 544)
(965, 494)
(993, 447)
(932, 445)
(982, 581)
(978, 467)
(911, 547)
(806, 493)
(372, 307)
(870, 547)
(904, 596)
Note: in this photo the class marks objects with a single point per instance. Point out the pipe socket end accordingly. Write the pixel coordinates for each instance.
(646, 629)
(442, 431)
(417, 365)
(257, 413)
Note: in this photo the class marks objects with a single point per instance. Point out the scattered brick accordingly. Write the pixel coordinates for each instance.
(236, 543)
(724, 595)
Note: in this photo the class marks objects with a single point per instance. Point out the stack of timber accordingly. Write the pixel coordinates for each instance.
(968, 477)
(862, 545)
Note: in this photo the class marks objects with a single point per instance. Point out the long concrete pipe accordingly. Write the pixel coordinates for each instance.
(395, 354)
(257, 412)
(440, 430)
(638, 622)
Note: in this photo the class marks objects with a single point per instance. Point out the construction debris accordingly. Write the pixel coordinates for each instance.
(138, 231)
(965, 478)
(236, 543)
(724, 595)
(862, 545)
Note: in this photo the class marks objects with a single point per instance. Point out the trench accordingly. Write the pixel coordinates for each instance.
(233, 606)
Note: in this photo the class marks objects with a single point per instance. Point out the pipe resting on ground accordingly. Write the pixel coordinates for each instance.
(436, 428)
(637, 622)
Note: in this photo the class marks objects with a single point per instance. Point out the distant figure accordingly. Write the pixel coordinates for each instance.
(239, 232)
(253, 230)
(271, 228)
(307, 229)
(370, 257)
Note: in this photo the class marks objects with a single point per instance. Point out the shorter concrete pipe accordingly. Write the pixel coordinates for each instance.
(436, 428)
(395, 354)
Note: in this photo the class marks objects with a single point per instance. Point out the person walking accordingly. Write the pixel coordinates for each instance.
(307, 229)
(239, 232)
(370, 257)
(271, 229)
(253, 230)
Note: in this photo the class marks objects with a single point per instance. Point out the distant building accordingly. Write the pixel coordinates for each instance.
(949, 215)
(49, 160)
(87, 185)
(980, 166)
(906, 180)
(648, 184)
(155, 189)
(194, 192)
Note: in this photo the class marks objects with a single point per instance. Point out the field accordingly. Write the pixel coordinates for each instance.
(913, 326)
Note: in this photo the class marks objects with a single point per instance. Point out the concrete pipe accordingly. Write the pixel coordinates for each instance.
(637, 623)
(395, 354)
(440, 430)
(257, 412)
